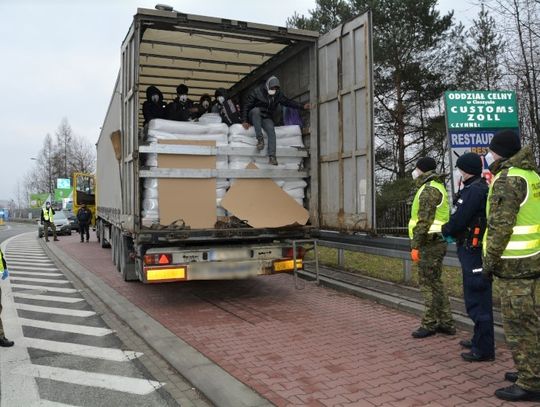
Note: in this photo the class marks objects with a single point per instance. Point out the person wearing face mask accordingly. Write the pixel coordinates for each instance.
(259, 109)
(204, 105)
(47, 220)
(181, 108)
(466, 227)
(511, 250)
(225, 107)
(430, 210)
(153, 107)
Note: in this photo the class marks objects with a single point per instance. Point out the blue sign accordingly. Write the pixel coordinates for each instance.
(63, 183)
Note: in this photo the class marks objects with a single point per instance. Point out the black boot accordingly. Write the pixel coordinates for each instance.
(55, 239)
(447, 330)
(511, 376)
(473, 357)
(5, 343)
(422, 333)
(272, 160)
(516, 393)
(260, 143)
(466, 343)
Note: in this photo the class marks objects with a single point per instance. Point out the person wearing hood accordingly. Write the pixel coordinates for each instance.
(466, 227)
(204, 105)
(511, 250)
(225, 107)
(430, 210)
(181, 108)
(153, 107)
(259, 109)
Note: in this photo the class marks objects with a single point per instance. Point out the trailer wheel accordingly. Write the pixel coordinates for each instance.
(127, 264)
(113, 244)
(98, 228)
(101, 233)
(118, 245)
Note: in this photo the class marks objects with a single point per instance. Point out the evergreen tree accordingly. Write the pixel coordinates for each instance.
(326, 15)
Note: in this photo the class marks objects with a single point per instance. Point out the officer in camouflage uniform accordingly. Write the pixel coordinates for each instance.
(430, 210)
(512, 254)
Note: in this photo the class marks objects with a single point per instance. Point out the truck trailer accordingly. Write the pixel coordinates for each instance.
(162, 48)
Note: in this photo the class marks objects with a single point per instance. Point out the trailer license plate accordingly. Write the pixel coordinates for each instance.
(287, 265)
(159, 274)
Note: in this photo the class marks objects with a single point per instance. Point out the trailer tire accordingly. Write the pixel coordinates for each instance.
(118, 247)
(101, 233)
(113, 244)
(127, 263)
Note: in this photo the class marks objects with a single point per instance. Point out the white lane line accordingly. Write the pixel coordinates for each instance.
(34, 273)
(17, 390)
(23, 251)
(36, 256)
(56, 326)
(105, 381)
(32, 267)
(41, 297)
(54, 310)
(30, 262)
(45, 288)
(41, 280)
(114, 355)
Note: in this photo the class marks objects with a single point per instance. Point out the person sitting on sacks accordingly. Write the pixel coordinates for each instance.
(181, 108)
(153, 107)
(226, 108)
(204, 105)
(259, 108)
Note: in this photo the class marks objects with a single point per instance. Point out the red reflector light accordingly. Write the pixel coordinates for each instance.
(287, 252)
(163, 259)
(157, 259)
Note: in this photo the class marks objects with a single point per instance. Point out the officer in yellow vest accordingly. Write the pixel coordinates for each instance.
(511, 252)
(5, 274)
(430, 210)
(47, 220)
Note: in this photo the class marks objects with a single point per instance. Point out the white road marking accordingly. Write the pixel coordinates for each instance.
(55, 311)
(34, 273)
(48, 403)
(32, 256)
(115, 355)
(36, 268)
(105, 381)
(41, 297)
(30, 261)
(56, 326)
(45, 288)
(41, 280)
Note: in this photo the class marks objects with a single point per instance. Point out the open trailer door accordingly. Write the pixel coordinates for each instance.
(345, 158)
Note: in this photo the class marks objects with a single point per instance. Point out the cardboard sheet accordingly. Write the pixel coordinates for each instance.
(190, 199)
(263, 204)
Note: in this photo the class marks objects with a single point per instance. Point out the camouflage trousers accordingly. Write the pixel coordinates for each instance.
(522, 328)
(436, 302)
(1, 325)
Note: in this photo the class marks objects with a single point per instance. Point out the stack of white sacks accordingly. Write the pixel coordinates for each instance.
(287, 137)
(210, 128)
(207, 130)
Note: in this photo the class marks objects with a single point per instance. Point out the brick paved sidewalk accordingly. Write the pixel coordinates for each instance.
(311, 347)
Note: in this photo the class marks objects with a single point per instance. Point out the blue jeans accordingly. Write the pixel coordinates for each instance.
(260, 122)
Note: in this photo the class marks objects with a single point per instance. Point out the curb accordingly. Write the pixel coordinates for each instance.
(217, 385)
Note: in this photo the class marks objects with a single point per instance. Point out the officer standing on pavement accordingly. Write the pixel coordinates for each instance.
(466, 227)
(4, 342)
(47, 220)
(512, 253)
(430, 210)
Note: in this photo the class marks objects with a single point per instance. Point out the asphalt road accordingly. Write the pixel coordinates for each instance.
(64, 353)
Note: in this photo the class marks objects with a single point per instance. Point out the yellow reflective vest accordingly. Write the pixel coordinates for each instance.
(1, 261)
(525, 239)
(47, 214)
(442, 215)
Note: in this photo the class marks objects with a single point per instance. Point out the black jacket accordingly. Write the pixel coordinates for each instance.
(260, 98)
(84, 216)
(179, 111)
(153, 110)
(470, 210)
(42, 211)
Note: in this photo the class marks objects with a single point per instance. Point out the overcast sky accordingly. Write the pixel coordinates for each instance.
(59, 58)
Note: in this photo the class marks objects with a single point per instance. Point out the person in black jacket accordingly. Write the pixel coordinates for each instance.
(153, 107)
(181, 108)
(225, 107)
(84, 216)
(4, 342)
(467, 226)
(205, 105)
(259, 108)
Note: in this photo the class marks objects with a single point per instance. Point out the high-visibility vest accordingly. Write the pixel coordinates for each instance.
(525, 239)
(47, 214)
(1, 262)
(442, 214)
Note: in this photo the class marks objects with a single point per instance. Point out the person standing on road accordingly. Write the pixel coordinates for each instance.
(466, 227)
(512, 253)
(430, 210)
(84, 216)
(4, 342)
(259, 109)
(47, 220)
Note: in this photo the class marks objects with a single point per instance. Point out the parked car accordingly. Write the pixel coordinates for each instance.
(73, 221)
(63, 226)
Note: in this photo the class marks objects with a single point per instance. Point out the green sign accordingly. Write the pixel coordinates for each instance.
(38, 200)
(481, 110)
(61, 193)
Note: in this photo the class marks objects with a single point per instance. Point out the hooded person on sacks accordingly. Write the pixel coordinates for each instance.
(153, 107)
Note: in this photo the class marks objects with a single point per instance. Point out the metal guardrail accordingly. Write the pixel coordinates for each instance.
(395, 247)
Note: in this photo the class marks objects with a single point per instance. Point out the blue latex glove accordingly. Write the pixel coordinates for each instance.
(449, 239)
(5, 274)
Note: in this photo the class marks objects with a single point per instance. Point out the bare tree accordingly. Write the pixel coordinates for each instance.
(64, 147)
(83, 156)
